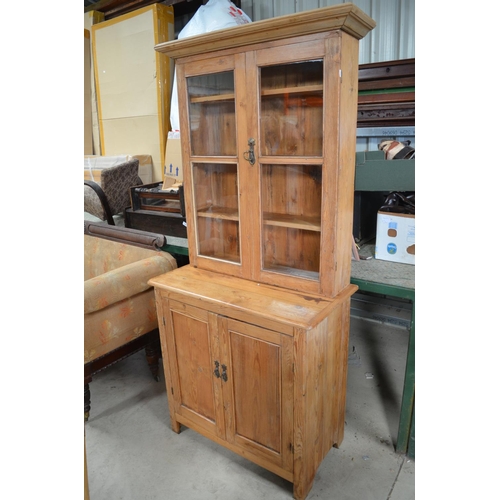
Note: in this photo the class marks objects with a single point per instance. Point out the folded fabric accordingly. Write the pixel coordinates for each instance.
(395, 150)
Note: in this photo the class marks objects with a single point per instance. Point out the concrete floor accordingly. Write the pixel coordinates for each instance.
(132, 454)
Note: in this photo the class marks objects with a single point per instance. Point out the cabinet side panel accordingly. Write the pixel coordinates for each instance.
(320, 377)
(330, 202)
(303, 472)
(341, 384)
(347, 159)
(341, 97)
(162, 312)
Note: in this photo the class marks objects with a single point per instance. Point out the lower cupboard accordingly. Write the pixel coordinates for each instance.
(258, 369)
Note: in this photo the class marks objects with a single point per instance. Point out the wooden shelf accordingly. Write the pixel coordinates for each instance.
(219, 213)
(293, 221)
(291, 271)
(306, 89)
(210, 98)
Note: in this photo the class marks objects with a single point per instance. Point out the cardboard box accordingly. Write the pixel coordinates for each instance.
(395, 239)
(172, 170)
(93, 165)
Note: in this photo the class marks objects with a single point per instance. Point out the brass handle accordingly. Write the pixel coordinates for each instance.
(224, 374)
(250, 155)
(216, 371)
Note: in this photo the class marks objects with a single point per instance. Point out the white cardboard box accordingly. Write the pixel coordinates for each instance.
(172, 170)
(395, 240)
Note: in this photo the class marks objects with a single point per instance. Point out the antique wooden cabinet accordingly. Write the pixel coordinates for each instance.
(256, 368)
(255, 330)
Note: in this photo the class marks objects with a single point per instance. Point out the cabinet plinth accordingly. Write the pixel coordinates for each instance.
(256, 368)
(255, 330)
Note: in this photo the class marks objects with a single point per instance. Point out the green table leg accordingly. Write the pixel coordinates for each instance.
(408, 401)
(411, 443)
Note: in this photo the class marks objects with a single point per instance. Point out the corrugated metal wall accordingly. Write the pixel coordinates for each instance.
(393, 38)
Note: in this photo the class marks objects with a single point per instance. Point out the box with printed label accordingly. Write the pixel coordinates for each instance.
(395, 239)
(172, 170)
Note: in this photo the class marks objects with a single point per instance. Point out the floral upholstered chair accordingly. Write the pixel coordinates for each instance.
(119, 305)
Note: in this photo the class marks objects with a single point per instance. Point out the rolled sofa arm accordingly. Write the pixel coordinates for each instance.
(124, 282)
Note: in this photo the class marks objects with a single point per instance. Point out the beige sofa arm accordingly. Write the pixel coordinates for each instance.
(124, 282)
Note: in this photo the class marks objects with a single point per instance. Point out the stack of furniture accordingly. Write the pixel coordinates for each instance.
(255, 329)
(387, 94)
(157, 210)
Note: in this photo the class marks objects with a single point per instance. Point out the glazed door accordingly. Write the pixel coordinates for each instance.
(214, 90)
(258, 391)
(290, 140)
(193, 353)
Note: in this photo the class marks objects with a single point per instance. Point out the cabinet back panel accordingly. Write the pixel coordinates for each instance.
(216, 205)
(212, 121)
(213, 129)
(219, 239)
(292, 109)
(216, 185)
(292, 189)
(291, 249)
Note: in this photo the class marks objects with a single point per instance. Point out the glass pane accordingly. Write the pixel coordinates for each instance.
(292, 109)
(212, 114)
(217, 210)
(291, 218)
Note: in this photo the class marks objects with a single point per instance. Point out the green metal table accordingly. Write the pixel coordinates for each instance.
(394, 280)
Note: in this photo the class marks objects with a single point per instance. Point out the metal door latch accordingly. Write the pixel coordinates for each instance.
(250, 155)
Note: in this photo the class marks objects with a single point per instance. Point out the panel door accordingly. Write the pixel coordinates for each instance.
(258, 391)
(192, 357)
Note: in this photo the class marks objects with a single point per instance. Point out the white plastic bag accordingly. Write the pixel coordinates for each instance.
(214, 15)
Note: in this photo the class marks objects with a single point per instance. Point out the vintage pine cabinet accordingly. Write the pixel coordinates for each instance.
(256, 368)
(255, 330)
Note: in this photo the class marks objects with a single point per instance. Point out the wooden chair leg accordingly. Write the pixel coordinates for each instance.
(153, 355)
(86, 402)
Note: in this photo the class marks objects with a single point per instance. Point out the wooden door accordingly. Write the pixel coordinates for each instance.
(193, 353)
(290, 104)
(212, 106)
(257, 391)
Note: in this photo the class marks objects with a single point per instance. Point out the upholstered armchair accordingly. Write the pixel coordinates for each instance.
(112, 195)
(119, 305)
